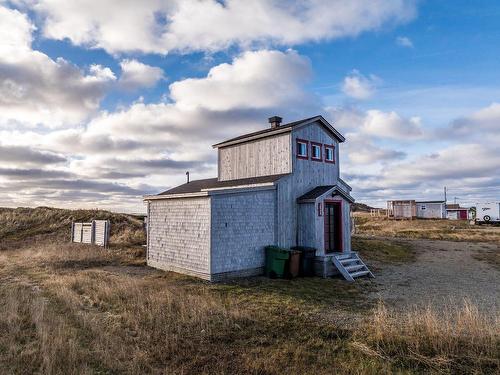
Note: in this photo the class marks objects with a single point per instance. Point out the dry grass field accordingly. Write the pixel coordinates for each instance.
(451, 230)
(77, 309)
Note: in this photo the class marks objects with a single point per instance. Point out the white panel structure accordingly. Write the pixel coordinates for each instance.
(96, 232)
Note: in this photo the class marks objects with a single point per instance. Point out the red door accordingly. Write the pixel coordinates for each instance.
(462, 214)
(333, 227)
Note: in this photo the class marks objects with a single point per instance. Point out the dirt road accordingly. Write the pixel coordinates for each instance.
(444, 273)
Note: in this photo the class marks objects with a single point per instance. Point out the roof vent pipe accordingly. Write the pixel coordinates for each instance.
(275, 121)
(187, 176)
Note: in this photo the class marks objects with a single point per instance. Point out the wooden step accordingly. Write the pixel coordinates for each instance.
(348, 260)
(355, 267)
(359, 274)
(350, 266)
(344, 256)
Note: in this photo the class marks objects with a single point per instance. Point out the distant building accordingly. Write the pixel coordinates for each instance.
(455, 212)
(431, 209)
(401, 209)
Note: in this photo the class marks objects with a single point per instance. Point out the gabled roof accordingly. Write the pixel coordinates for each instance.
(281, 129)
(318, 191)
(213, 183)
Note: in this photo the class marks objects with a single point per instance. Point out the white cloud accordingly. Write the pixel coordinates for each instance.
(358, 86)
(15, 31)
(361, 150)
(36, 89)
(377, 124)
(404, 41)
(161, 26)
(260, 79)
(483, 124)
(157, 142)
(137, 75)
(391, 125)
(468, 160)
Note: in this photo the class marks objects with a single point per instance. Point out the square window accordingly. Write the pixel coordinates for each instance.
(316, 151)
(302, 151)
(329, 154)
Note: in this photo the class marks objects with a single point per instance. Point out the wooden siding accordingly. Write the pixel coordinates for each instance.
(401, 209)
(311, 230)
(264, 157)
(431, 210)
(179, 235)
(307, 174)
(95, 232)
(307, 213)
(242, 225)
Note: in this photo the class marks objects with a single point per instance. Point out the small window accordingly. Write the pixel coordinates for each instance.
(423, 207)
(302, 151)
(329, 154)
(316, 151)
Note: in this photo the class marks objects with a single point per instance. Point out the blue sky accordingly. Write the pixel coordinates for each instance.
(103, 104)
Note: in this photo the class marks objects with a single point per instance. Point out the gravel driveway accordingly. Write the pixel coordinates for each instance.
(444, 273)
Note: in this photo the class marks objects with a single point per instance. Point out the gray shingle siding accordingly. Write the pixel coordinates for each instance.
(242, 224)
(179, 235)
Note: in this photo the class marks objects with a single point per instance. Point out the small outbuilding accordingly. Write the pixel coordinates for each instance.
(431, 209)
(455, 212)
(278, 186)
(401, 209)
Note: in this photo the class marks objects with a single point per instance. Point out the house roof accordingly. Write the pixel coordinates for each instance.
(315, 193)
(318, 191)
(213, 183)
(455, 206)
(281, 129)
(441, 202)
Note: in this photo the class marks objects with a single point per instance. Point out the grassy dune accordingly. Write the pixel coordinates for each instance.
(24, 225)
(76, 309)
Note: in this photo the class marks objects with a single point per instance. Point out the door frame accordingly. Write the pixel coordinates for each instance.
(339, 203)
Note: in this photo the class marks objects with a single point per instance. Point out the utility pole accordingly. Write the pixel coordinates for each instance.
(445, 200)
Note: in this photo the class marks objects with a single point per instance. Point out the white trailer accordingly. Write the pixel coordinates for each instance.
(488, 212)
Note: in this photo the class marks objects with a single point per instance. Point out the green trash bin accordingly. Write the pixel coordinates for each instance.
(276, 261)
(307, 255)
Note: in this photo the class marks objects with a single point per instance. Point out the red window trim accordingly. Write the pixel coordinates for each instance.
(331, 147)
(320, 145)
(306, 142)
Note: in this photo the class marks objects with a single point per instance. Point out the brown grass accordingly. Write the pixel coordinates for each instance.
(69, 309)
(457, 340)
(21, 226)
(452, 230)
(387, 251)
(489, 256)
(77, 309)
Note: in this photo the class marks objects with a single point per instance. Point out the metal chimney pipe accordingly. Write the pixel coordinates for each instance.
(187, 175)
(275, 121)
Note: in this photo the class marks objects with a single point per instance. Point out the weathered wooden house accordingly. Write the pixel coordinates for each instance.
(431, 209)
(276, 186)
(401, 209)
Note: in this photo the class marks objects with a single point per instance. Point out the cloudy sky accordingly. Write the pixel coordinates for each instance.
(104, 101)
